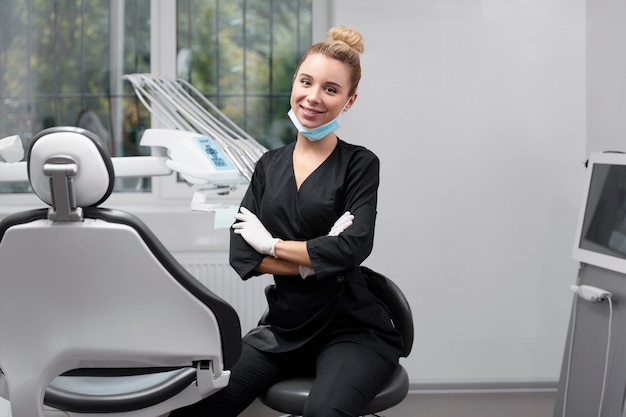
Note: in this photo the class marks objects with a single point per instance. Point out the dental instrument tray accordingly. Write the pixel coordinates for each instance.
(197, 157)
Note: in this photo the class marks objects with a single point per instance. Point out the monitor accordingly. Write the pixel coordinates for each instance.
(601, 230)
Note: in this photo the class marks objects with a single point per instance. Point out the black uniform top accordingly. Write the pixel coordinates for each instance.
(334, 304)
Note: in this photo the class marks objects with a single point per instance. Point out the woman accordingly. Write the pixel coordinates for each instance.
(308, 218)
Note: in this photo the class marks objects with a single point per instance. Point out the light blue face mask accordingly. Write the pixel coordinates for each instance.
(317, 133)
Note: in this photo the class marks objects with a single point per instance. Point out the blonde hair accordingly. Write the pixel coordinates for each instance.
(345, 45)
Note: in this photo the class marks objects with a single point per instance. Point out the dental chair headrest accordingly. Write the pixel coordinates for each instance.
(94, 178)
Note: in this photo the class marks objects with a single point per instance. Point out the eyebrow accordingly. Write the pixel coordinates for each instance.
(334, 83)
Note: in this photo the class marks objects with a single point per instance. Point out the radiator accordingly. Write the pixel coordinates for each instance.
(214, 271)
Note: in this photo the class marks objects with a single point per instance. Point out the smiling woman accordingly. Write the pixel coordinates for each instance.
(308, 219)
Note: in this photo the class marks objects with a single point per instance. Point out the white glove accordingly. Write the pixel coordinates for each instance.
(254, 233)
(340, 225)
(305, 271)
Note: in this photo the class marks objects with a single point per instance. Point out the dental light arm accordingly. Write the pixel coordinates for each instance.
(129, 166)
(196, 157)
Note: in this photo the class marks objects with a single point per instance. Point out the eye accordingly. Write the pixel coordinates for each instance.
(331, 90)
(305, 82)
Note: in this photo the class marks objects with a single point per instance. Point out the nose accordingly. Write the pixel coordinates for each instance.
(314, 95)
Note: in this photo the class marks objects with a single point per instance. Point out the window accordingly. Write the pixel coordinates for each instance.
(62, 62)
(242, 55)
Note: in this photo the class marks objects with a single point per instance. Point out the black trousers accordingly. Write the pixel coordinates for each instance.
(347, 377)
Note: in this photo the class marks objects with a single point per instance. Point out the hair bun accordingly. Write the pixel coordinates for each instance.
(352, 37)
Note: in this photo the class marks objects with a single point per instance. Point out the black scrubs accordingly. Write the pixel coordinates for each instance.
(334, 304)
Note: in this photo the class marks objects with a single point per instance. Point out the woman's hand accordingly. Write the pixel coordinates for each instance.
(254, 233)
(340, 225)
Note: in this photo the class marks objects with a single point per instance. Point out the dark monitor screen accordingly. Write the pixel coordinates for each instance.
(604, 223)
(601, 234)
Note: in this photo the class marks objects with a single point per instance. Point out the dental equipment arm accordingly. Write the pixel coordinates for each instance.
(179, 105)
(196, 157)
(128, 166)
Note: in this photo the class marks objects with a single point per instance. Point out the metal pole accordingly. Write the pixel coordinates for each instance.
(116, 71)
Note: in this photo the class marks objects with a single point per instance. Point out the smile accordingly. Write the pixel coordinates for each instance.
(310, 111)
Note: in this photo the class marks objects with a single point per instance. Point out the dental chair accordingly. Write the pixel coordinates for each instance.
(289, 395)
(96, 317)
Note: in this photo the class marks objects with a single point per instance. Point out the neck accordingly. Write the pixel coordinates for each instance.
(323, 146)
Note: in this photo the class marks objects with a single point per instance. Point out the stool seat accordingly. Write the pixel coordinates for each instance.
(289, 395)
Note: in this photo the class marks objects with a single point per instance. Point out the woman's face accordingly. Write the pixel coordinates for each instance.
(320, 90)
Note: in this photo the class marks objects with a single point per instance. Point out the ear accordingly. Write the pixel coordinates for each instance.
(350, 102)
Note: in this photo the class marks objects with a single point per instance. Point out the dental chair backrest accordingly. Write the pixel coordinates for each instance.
(89, 294)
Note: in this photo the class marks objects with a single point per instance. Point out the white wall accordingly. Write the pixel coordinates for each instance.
(606, 84)
(477, 111)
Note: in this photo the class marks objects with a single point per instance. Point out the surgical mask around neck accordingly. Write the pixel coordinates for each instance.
(316, 133)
